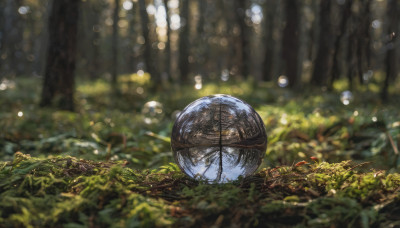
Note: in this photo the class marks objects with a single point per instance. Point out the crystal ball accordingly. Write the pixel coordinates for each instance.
(218, 138)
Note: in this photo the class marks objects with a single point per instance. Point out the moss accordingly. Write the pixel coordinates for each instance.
(71, 192)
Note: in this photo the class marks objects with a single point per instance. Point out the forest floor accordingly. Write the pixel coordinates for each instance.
(327, 164)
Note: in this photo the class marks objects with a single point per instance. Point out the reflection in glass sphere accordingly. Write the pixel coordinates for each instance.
(152, 112)
(346, 97)
(218, 138)
(283, 81)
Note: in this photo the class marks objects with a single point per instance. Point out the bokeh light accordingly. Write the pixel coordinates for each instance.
(346, 97)
(283, 81)
(153, 112)
(225, 75)
(127, 5)
(198, 81)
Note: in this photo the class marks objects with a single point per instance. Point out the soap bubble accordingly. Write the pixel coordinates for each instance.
(218, 138)
(346, 97)
(283, 81)
(152, 112)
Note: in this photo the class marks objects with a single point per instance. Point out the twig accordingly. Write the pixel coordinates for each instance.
(361, 164)
(396, 151)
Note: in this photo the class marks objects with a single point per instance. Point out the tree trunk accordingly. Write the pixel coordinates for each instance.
(149, 61)
(201, 38)
(2, 31)
(290, 43)
(346, 12)
(270, 15)
(168, 44)
(323, 61)
(391, 55)
(114, 61)
(363, 40)
(12, 36)
(58, 84)
(184, 41)
(95, 61)
(132, 54)
(240, 10)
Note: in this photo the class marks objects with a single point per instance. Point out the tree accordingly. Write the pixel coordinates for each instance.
(168, 43)
(115, 43)
(58, 84)
(290, 43)
(323, 59)
(149, 61)
(240, 10)
(270, 21)
(11, 38)
(346, 13)
(391, 55)
(184, 41)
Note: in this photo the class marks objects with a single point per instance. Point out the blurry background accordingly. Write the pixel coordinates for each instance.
(309, 41)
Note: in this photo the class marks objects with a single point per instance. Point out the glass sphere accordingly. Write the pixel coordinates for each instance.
(152, 112)
(218, 138)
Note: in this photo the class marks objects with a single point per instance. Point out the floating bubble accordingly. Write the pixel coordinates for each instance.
(283, 81)
(346, 97)
(218, 139)
(152, 112)
(225, 75)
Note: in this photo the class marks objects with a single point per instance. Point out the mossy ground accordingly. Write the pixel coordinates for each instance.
(327, 164)
(69, 192)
